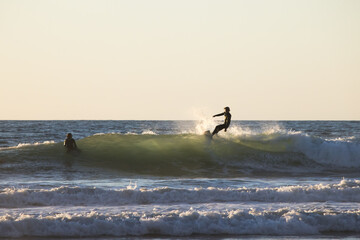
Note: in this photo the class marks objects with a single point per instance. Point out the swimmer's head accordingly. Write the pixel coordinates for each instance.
(227, 109)
(69, 135)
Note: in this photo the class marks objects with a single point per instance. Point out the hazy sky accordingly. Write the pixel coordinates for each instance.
(164, 59)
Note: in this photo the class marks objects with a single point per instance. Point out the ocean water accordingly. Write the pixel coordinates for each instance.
(164, 179)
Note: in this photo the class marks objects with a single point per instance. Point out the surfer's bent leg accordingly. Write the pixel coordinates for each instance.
(218, 128)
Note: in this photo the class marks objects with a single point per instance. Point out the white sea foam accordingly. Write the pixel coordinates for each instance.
(131, 133)
(341, 139)
(345, 191)
(21, 145)
(148, 132)
(179, 221)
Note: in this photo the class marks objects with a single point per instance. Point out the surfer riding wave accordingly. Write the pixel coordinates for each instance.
(226, 123)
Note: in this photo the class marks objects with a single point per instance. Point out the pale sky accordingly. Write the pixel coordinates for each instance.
(166, 59)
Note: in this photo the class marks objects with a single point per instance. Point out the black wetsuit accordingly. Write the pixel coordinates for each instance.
(70, 144)
(222, 126)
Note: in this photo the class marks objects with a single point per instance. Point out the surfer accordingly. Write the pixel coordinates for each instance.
(70, 143)
(226, 123)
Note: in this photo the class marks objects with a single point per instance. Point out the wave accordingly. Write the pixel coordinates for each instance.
(180, 222)
(191, 154)
(345, 191)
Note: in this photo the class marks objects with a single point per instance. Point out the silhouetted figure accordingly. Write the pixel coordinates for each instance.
(70, 143)
(226, 123)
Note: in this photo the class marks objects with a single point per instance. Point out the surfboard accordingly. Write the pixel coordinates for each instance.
(207, 134)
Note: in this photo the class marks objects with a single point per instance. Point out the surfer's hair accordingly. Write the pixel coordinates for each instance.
(227, 108)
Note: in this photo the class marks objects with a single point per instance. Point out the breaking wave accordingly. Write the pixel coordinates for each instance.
(180, 222)
(345, 191)
(195, 155)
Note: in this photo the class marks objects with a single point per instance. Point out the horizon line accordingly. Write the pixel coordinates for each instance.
(289, 120)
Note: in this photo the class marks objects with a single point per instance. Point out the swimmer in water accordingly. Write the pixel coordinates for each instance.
(70, 143)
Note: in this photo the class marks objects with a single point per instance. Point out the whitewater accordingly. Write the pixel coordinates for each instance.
(164, 179)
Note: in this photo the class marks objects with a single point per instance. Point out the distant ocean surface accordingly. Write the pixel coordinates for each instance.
(164, 179)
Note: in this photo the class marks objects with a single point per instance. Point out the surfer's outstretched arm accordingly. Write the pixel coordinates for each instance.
(217, 115)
